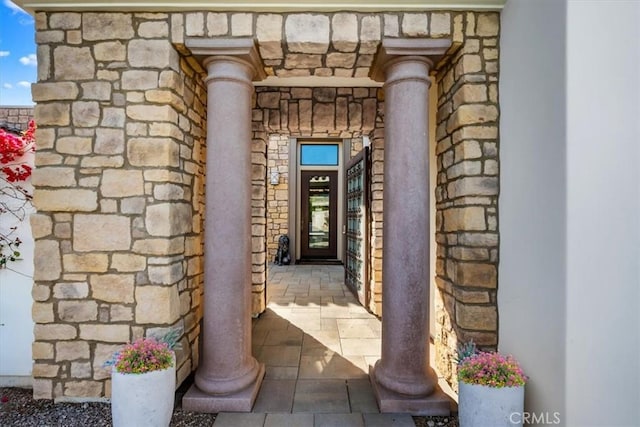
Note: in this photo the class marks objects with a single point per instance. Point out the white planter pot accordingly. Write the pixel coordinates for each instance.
(143, 400)
(483, 406)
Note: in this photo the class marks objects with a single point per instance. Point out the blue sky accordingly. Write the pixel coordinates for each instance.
(17, 55)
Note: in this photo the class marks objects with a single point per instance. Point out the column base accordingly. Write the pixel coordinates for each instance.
(196, 400)
(435, 404)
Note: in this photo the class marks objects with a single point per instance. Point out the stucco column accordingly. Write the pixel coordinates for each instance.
(403, 380)
(228, 377)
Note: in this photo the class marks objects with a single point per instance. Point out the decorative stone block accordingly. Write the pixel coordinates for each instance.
(217, 24)
(101, 233)
(55, 114)
(473, 186)
(42, 312)
(151, 53)
(168, 219)
(46, 257)
(77, 311)
(165, 274)
(139, 79)
(53, 177)
(157, 304)
(344, 36)
(41, 225)
(154, 152)
(128, 262)
(307, 33)
(54, 91)
(269, 34)
(77, 290)
(488, 24)
(110, 141)
(83, 388)
(72, 350)
(241, 24)
(470, 114)
(105, 333)
(159, 246)
(54, 332)
(107, 26)
(110, 51)
(42, 351)
(64, 21)
(477, 317)
(440, 24)
(150, 30)
(476, 275)
(114, 288)
(468, 218)
(85, 114)
(370, 34)
(415, 24)
(73, 63)
(85, 262)
(121, 183)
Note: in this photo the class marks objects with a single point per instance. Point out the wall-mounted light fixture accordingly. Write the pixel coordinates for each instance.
(275, 177)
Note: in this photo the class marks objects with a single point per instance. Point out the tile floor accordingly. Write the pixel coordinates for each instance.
(317, 343)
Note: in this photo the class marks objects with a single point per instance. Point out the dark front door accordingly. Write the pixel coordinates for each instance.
(319, 215)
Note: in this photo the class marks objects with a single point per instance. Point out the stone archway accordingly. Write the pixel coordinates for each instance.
(228, 377)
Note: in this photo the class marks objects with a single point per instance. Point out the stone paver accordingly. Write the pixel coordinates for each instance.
(317, 343)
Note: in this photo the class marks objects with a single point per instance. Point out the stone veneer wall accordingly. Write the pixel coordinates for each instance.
(119, 193)
(467, 193)
(15, 117)
(119, 184)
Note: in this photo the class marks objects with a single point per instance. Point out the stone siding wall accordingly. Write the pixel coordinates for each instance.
(15, 118)
(467, 193)
(119, 193)
(120, 171)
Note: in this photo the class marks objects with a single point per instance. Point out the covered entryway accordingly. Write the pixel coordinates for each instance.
(229, 376)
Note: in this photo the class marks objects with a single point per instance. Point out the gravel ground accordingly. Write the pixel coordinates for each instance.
(17, 408)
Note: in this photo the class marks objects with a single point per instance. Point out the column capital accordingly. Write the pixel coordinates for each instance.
(393, 49)
(244, 49)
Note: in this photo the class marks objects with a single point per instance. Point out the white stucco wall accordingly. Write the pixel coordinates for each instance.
(531, 299)
(16, 326)
(603, 213)
(569, 206)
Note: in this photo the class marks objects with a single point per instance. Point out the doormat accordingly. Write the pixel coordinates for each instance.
(315, 261)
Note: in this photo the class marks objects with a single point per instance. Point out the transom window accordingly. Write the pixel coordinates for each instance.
(319, 155)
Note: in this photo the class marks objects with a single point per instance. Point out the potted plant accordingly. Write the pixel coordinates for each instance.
(143, 382)
(490, 389)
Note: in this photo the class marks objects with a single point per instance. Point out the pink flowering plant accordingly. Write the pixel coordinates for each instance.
(146, 354)
(143, 355)
(491, 369)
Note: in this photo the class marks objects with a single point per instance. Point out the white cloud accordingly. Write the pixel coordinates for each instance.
(4, 53)
(30, 59)
(14, 7)
(24, 84)
(7, 86)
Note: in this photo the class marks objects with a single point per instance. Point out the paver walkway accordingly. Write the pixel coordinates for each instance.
(317, 343)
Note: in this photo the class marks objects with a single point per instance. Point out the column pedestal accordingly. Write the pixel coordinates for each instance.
(402, 379)
(228, 377)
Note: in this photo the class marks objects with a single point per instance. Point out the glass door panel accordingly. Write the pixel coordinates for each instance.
(319, 214)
